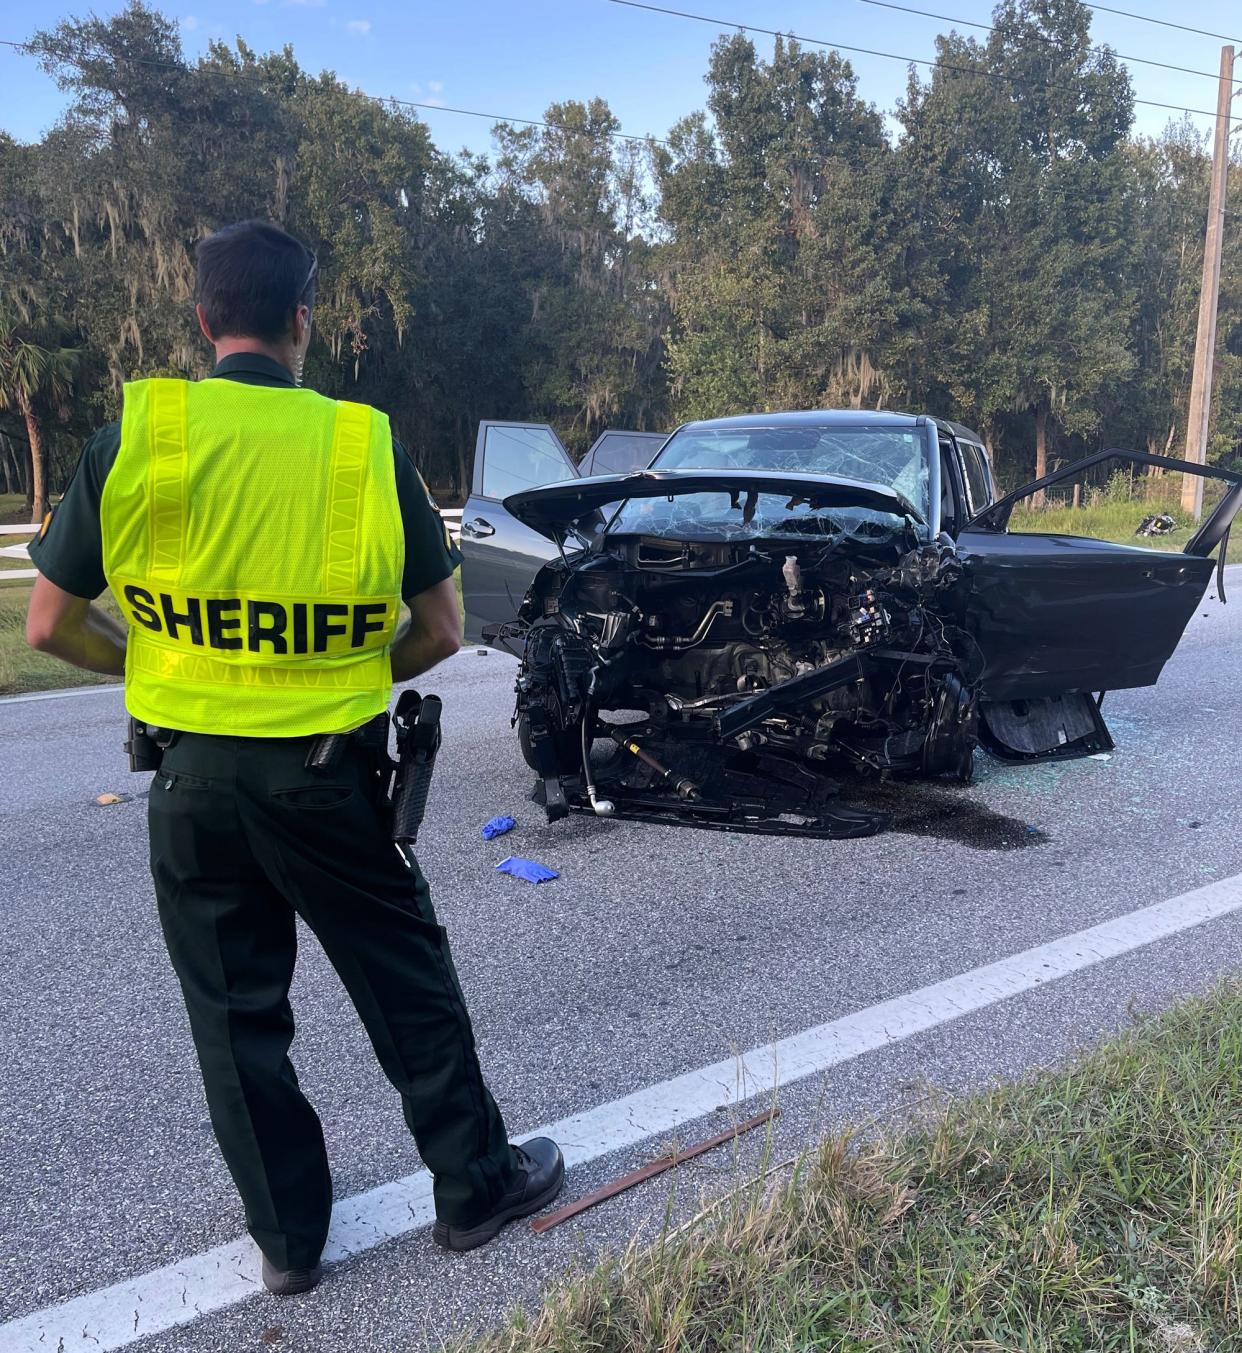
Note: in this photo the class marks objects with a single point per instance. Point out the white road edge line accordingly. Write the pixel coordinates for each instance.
(67, 694)
(166, 1297)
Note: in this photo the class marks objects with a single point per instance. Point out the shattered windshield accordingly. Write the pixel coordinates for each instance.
(893, 456)
(752, 515)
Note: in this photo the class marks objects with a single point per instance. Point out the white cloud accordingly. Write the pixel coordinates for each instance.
(304, 4)
(436, 86)
(190, 23)
(360, 28)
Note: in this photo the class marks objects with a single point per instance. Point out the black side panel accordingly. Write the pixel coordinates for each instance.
(1060, 614)
(1053, 729)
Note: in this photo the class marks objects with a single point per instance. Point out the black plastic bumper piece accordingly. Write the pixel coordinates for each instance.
(835, 823)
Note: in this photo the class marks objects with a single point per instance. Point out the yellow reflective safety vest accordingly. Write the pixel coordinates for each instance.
(253, 541)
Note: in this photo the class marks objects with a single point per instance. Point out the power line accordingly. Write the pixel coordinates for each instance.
(257, 79)
(525, 121)
(889, 56)
(991, 28)
(24, 49)
(1164, 23)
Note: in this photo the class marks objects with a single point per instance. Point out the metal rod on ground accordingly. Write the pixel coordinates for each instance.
(1209, 297)
(648, 1171)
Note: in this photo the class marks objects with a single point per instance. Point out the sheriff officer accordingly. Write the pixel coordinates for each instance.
(259, 540)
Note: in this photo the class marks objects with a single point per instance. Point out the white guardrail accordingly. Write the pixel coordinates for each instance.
(16, 552)
(451, 515)
(452, 521)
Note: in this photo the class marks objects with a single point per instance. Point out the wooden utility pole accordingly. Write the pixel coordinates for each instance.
(1209, 297)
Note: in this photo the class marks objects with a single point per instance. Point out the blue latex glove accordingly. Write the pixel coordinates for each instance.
(527, 869)
(496, 827)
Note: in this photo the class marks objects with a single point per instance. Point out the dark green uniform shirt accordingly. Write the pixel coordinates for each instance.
(69, 551)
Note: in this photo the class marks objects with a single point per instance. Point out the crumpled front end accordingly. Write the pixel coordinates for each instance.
(732, 684)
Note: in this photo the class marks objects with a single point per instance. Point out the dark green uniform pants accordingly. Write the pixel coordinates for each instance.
(242, 838)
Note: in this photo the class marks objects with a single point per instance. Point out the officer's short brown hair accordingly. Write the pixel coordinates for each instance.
(252, 277)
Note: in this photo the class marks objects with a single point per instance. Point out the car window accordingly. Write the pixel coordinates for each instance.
(753, 515)
(976, 476)
(894, 457)
(618, 452)
(948, 481)
(516, 458)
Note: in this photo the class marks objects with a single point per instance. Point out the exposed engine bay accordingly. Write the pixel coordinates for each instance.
(735, 639)
(726, 682)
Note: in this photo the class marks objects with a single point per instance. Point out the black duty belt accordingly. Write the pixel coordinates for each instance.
(399, 789)
(326, 749)
(147, 743)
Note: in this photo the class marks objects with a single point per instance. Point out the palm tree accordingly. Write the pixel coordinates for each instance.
(36, 375)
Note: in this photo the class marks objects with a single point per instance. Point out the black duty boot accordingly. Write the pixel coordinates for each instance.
(289, 1282)
(541, 1173)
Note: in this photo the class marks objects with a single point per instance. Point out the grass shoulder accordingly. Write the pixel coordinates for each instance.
(13, 509)
(1115, 521)
(1095, 1208)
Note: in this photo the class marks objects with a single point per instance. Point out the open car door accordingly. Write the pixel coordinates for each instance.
(619, 452)
(1059, 617)
(500, 556)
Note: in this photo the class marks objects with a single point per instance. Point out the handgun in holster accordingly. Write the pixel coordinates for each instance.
(417, 721)
(147, 744)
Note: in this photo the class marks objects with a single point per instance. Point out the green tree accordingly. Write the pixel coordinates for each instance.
(789, 259)
(36, 380)
(570, 207)
(1018, 145)
(1013, 258)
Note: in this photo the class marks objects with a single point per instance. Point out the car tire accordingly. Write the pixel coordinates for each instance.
(566, 745)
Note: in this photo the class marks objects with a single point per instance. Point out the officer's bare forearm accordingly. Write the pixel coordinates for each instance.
(415, 653)
(432, 633)
(95, 642)
(74, 630)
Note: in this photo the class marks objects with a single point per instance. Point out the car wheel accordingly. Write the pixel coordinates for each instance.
(565, 744)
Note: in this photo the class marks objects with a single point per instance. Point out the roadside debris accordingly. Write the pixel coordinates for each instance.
(648, 1171)
(527, 869)
(497, 827)
(1157, 524)
(108, 799)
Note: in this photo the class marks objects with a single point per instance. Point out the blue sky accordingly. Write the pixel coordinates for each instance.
(513, 58)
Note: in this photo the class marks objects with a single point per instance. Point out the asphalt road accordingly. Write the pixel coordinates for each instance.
(658, 951)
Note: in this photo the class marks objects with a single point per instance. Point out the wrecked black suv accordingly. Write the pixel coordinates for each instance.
(781, 599)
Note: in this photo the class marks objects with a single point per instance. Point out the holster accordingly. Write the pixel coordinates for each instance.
(417, 720)
(145, 746)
